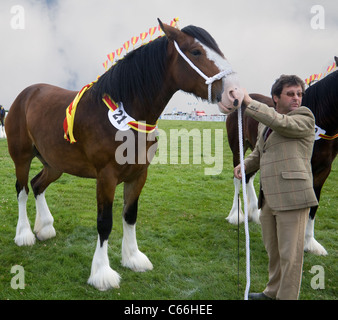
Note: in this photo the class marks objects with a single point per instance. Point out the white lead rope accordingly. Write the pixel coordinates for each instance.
(246, 224)
(208, 80)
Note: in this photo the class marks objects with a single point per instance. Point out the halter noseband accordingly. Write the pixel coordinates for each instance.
(208, 80)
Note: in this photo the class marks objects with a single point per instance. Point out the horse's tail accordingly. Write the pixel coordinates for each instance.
(20, 144)
(16, 117)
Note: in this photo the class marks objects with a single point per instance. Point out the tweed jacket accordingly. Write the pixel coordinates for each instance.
(284, 159)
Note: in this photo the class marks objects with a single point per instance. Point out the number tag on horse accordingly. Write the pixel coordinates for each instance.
(319, 131)
(120, 118)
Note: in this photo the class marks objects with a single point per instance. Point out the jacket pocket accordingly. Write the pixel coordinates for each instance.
(294, 175)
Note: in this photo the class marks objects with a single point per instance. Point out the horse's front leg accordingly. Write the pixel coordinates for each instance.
(236, 215)
(132, 257)
(253, 211)
(102, 276)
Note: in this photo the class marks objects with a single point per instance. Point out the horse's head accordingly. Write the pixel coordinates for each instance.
(198, 66)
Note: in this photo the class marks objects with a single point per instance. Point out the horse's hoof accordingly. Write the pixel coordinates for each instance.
(46, 233)
(233, 218)
(25, 238)
(138, 262)
(105, 278)
(314, 247)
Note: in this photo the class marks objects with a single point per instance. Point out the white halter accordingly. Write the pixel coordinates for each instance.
(208, 80)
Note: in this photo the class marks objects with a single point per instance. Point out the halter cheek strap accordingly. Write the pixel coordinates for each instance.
(208, 80)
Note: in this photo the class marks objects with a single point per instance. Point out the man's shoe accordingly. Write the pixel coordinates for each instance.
(258, 296)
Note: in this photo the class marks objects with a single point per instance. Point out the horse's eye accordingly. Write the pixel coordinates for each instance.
(196, 52)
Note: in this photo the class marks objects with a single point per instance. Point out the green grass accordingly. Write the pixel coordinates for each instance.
(181, 227)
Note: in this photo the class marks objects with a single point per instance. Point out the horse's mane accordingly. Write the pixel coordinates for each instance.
(322, 99)
(139, 75)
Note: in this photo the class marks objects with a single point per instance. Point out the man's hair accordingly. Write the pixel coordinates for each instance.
(288, 81)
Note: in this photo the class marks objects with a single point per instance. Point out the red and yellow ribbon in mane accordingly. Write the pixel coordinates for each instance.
(68, 124)
(143, 35)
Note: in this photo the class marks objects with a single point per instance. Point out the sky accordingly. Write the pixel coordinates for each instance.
(65, 42)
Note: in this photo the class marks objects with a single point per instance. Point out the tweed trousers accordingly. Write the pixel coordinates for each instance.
(283, 236)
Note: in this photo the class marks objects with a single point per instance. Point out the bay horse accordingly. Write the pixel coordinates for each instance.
(322, 99)
(142, 83)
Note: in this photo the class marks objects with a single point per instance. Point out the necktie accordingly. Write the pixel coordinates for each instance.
(267, 133)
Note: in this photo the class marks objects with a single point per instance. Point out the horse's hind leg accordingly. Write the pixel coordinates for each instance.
(24, 235)
(21, 150)
(132, 257)
(43, 227)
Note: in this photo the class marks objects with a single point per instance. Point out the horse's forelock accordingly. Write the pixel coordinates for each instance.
(203, 36)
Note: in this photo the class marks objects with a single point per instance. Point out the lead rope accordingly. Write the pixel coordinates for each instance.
(209, 81)
(246, 224)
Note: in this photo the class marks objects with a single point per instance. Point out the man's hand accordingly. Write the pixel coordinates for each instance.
(237, 172)
(247, 99)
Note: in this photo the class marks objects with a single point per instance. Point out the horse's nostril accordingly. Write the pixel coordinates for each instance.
(231, 94)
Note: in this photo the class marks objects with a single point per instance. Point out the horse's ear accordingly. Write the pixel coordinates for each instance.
(172, 33)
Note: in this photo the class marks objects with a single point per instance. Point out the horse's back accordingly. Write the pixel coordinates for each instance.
(37, 108)
(42, 95)
(34, 102)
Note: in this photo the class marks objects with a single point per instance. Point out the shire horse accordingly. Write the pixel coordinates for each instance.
(322, 99)
(142, 83)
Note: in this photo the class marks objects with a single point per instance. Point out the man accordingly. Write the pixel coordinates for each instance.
(283, 156)
(2, 111)
(2, 115)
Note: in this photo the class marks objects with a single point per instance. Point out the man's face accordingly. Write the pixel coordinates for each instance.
(290, 99)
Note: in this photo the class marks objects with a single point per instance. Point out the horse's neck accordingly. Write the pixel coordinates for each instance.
(326, 118)
(151, 112)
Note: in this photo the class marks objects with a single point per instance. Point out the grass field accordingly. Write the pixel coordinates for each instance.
(181, 228)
